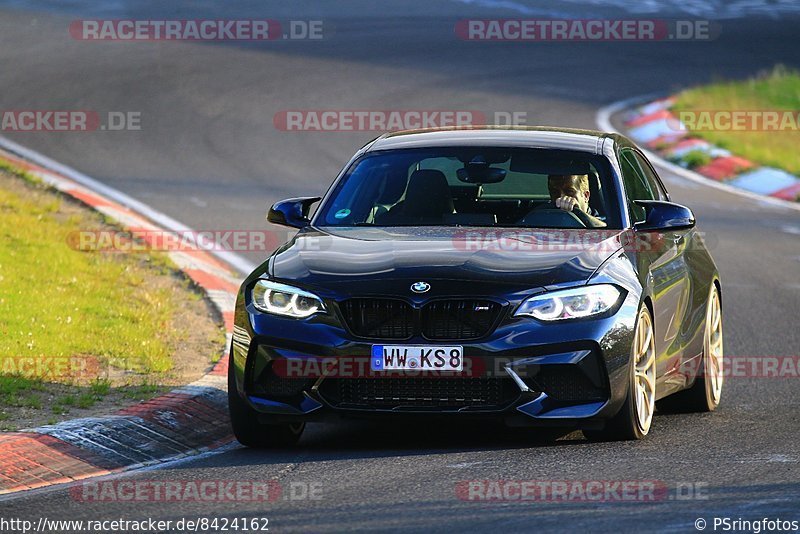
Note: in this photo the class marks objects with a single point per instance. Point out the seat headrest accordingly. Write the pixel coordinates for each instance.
(596, 193)
(427, 177)
(428, 195)
(393, 186)
(429, 183)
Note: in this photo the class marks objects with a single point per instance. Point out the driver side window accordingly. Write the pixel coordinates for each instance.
(636, 185)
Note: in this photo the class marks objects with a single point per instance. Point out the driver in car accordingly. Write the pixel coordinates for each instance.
(570, 192)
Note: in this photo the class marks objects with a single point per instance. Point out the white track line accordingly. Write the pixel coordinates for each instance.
(234, 260)
(603, 120)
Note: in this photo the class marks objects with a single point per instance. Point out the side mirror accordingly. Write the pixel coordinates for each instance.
(292, 212)
(662, 215)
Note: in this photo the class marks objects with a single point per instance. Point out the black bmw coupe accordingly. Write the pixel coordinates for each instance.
(537, 276)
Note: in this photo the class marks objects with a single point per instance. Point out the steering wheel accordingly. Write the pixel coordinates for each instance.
(552, 217)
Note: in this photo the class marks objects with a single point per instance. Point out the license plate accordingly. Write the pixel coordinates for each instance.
(417, 358)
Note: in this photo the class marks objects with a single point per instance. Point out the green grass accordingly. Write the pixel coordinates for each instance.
(32, 401)
(66, 400)
(696, 158)
(143, 390)
(776, 90)
(100, 387)
(85, 400)
(56, 302)
(13, 385)
(16, 171)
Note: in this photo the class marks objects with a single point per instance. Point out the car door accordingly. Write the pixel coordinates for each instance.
(662, 255)
(693, 299)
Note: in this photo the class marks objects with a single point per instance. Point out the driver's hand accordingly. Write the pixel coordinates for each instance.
(567, 203)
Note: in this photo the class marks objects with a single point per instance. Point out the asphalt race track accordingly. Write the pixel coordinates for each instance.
(209, 155)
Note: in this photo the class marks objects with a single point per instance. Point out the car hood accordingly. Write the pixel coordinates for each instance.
(373, 260)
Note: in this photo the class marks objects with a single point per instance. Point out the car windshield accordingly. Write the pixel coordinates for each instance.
(474, 186)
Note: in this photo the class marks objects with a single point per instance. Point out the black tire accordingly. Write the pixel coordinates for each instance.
(625, 424)
(700, 397)
(690, 400)
(247, 428)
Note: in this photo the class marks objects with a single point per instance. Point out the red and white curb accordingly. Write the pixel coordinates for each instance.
(653, 126)
(186, 421)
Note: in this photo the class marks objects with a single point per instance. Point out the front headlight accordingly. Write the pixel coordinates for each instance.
(289, 301)
(570, 303)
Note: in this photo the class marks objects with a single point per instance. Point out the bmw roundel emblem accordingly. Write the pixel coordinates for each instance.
(420, 287)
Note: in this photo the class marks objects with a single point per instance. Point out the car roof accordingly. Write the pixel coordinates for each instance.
(505, 136)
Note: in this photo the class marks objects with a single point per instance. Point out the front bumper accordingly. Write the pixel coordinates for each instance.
(525, 372)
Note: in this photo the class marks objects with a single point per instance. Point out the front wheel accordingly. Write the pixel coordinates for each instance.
(636, 415)
(249, 431)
